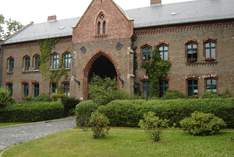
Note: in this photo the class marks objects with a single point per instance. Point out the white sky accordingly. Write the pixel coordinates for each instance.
(26, 11)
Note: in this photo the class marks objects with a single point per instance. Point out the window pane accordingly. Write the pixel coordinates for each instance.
(36, 89)
(25, 89)
(213, 54)
(189, 46)
(163, 86)
(213, 45)
(146, 53)
(208, 54)
(192, 87)
(211, 85)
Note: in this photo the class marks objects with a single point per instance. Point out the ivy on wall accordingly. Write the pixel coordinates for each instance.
(46, 48)
(156, 69)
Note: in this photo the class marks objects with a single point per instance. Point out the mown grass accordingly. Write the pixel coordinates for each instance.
(126, 142)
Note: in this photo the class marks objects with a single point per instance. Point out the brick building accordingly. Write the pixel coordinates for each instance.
(197, 37)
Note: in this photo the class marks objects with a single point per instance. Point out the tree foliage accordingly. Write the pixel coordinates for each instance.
(156, 69)
(104, 90)
(8, 27)
(46, 48)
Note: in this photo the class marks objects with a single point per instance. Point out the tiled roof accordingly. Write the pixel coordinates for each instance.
(156, 15)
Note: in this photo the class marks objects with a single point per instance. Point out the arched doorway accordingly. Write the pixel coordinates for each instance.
(102, 65)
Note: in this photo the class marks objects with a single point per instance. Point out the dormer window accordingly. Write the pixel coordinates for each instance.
(101, 24)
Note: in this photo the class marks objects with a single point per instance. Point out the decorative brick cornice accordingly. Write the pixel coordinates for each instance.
(184, 27)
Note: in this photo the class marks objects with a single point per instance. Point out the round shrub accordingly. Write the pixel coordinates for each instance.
(84, 111)
(201, 124)
(99, 124)
(152, 125)
(5, 98)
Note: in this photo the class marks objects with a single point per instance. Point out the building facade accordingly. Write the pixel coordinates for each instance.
(107, 41)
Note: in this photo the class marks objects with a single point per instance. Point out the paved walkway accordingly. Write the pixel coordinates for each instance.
(25, 132)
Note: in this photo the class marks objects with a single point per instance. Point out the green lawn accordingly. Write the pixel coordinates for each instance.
(126, 142)
(7, 124)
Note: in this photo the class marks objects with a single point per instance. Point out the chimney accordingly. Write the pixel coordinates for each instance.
(154, 2)
(52, 18)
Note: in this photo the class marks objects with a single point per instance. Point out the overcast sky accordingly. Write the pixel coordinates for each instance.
(26, 11)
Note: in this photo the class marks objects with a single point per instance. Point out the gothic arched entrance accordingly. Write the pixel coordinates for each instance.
(101, 65)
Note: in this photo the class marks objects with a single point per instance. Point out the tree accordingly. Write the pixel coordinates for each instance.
(156, 69)
(46, 48)
(8, 27)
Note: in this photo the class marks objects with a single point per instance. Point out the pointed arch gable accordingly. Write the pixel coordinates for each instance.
(115, 21)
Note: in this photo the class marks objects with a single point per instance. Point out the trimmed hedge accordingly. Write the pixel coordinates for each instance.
(31, 112)
(129, 112)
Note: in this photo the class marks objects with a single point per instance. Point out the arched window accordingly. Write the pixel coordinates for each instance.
(163, 49)
(54, 61)
(10, 64)
(191, 51)
(26, 63)
(67, 60)
(210, 50)
(36, 62)
(99, 28)
(101, 24)
(146, 52)
(104, 27)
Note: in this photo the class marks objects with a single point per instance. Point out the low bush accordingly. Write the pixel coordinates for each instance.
(208, 94)
(57, 96)
(69, 104)
(129, 112)
(43, 98)
(201, 124)
(99, 124)
(173, 95)
(31, 112)
(5, 98)
(104, 90)
(83, 113)
(152, 125)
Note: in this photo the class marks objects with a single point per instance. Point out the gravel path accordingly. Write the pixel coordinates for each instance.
(25, 132)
